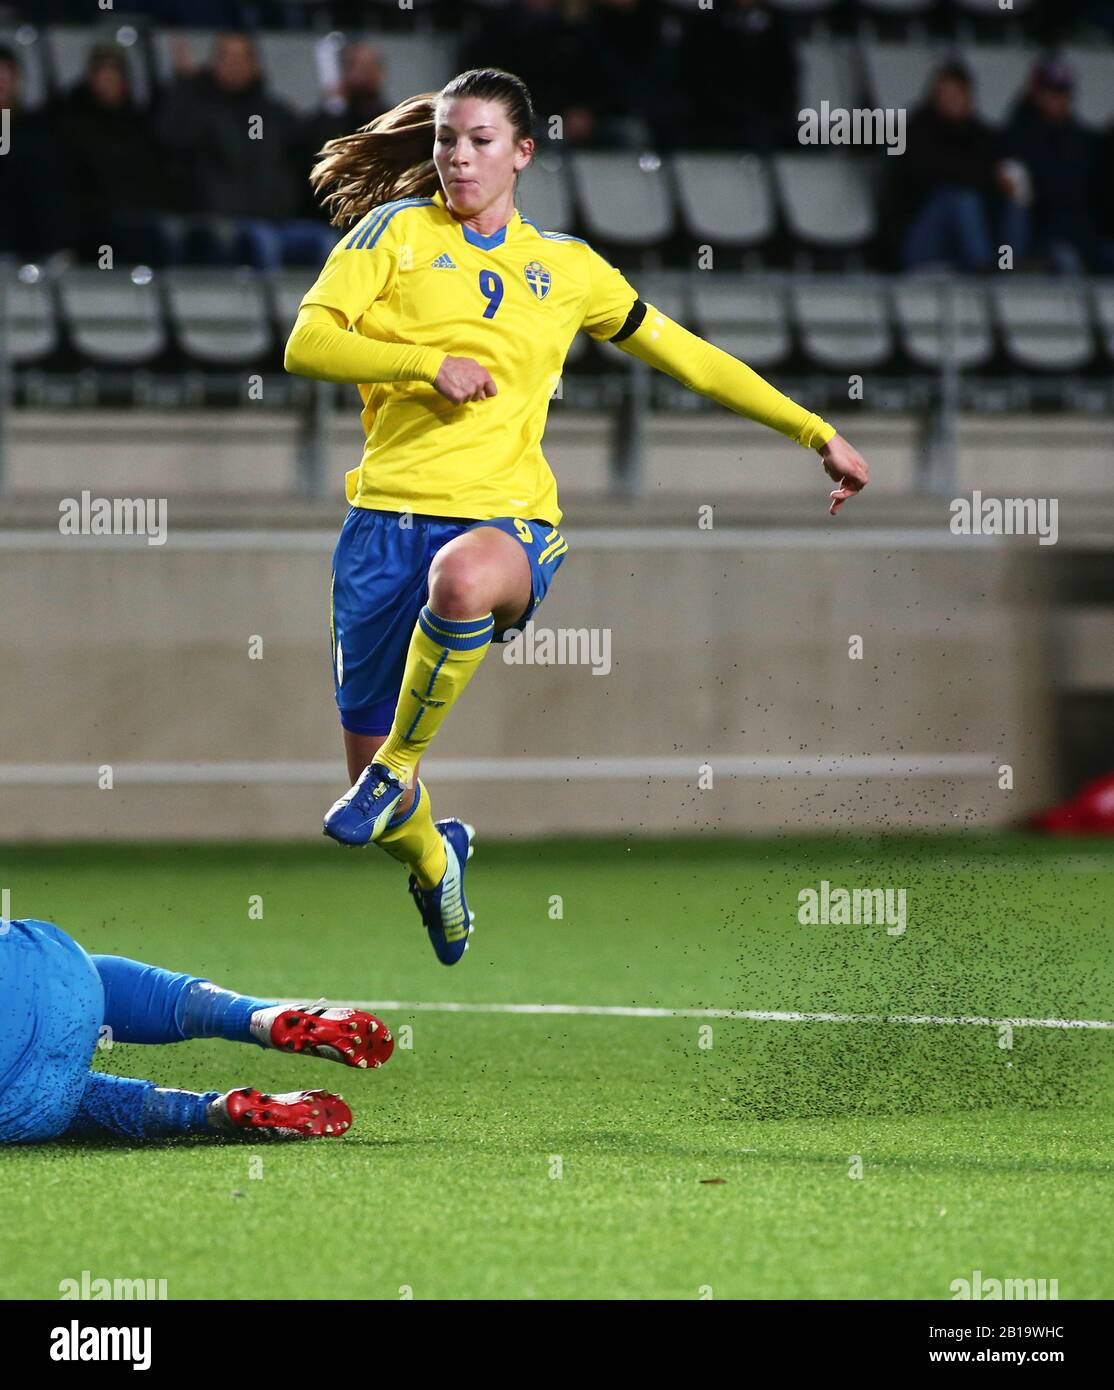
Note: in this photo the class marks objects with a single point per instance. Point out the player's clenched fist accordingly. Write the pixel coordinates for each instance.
(462, 379)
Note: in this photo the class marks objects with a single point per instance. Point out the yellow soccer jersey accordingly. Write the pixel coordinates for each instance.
(409, 272)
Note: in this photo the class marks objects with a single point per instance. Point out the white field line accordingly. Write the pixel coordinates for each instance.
(753, 1015)
(513, 769)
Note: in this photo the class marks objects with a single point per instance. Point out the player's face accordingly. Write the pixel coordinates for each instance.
(476, 153)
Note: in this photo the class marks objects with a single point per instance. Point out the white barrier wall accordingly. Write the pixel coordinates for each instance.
(732, 677)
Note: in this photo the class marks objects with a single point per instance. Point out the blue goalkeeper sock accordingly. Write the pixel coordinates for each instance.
(123, 1106)
(146, 1004)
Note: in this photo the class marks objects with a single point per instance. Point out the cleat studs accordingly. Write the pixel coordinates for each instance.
(362, 1062)
(315, 1113)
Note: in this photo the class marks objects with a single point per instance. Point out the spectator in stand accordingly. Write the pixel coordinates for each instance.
(952, 185)
(359, 97)
(637, 106)
(1059, 153)
(552, 46)
(243, 186)
(34, 218)
(737, 73)
(115, 169)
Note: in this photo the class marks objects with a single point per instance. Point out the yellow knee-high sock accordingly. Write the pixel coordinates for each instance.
(443, 654)
(416, 842)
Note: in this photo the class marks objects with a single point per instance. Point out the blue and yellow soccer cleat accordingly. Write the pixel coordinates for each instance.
(364, 811)
(444, 910)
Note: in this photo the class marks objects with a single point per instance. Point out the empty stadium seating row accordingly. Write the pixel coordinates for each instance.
(300, 67)
(229, 319)
(826, 201)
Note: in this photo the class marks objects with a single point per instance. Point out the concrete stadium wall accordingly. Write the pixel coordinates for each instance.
(726, 646)
(707, 454)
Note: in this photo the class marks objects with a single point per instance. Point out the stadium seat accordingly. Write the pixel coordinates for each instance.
(1000, 74)
(828, 72)
(897, 73)
(578, 349)
(843, 323)
(624, 198)
(666, 290)
(287, 289)
(294, 66)
(1094, 93)
(544, 195)
(413, 62)
(220, 317)
(1103, 294)
(31, 329)
(1045, 322)
(747, 318)
(70, 46)
(827, 199)
(920, 307)
(29, 49)
(725, 199)
(112, 317)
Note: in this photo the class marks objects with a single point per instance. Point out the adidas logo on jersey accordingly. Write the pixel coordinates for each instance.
(444, 262)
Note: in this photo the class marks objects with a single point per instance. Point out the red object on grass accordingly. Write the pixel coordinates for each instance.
(1089, 812)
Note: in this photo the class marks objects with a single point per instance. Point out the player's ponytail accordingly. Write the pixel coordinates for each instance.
(391, 157)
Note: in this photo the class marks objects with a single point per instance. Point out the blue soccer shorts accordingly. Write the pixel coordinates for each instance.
(381, 584)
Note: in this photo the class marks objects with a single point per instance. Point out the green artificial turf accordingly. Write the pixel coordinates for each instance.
(509, 1155)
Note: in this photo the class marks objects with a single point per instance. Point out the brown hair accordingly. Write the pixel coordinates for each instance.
(390, 156)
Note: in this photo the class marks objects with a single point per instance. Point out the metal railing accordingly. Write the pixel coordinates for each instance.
(624, 387)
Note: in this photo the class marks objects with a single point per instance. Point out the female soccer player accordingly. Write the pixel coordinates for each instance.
(55, 999)
(453, 314)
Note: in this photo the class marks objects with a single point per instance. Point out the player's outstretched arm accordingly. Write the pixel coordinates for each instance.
(320, 346)
(665, 345)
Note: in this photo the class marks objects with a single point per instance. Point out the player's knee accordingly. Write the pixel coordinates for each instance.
(458, 588)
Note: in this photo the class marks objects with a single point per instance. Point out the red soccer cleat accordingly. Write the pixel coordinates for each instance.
(349, 1036)
(295, 1115)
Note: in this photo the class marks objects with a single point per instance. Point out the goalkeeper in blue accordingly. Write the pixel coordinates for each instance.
(57, 1002)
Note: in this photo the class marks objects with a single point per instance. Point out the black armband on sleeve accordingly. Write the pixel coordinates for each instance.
(633, 319)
